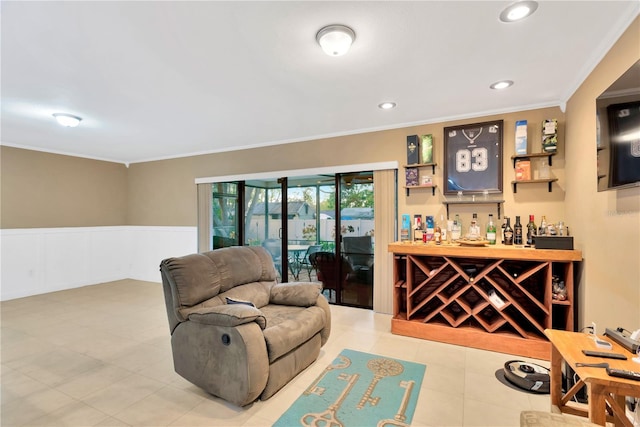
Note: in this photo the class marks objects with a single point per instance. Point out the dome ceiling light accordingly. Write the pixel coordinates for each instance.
(336, 39)
(67, 120)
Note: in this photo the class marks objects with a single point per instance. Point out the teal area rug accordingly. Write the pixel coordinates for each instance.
(359, 389)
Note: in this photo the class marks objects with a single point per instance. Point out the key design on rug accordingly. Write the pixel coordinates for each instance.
(400, 418)
(381, 368)
(343, 362)
(328, 417)
(358, 389)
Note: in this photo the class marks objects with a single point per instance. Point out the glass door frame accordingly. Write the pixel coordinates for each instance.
(330, 170)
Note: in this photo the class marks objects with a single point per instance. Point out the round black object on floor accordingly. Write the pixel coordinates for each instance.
(528, 376)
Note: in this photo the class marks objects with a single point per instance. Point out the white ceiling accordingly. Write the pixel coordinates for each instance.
(156, 80)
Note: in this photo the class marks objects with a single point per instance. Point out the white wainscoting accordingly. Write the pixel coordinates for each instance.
(39, 260)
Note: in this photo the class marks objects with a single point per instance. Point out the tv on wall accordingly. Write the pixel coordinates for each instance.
(618, 133)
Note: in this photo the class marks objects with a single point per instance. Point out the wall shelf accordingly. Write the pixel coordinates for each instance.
(534, 155)
(550, 181)
(423, 165)
(408, 188)
(417, 187)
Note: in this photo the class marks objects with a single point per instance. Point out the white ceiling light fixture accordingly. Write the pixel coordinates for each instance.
(67, 120)
(387, 105)
(503, 84)
(336, 39)
(518, 10)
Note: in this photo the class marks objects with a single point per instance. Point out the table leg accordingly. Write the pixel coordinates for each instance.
(597, 406)
(556, 377)
(618, 406)
(294, 265)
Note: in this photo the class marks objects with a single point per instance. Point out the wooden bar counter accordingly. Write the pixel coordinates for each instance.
(496, 297)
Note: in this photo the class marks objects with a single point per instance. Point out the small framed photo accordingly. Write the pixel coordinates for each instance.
(473, 158)
(427, 180)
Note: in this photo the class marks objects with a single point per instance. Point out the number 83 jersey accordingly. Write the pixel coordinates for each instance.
(473, 157)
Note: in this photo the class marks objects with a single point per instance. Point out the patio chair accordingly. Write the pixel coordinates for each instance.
(306, 262)
(328, 271)
(358, 251)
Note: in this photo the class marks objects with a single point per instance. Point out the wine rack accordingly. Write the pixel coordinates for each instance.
(495, 298)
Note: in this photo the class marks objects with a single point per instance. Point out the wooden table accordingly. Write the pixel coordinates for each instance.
(605, 393)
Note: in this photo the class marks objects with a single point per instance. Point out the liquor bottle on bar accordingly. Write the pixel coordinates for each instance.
(474, 228)
(542, 231)
(531, 230)
(437, 233)
(517, 232)
(491, 231)
(502, 227)
(508, 232)
(444, 235)
(456, 229)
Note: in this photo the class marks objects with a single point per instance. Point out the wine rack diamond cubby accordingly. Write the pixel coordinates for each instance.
(496, 298)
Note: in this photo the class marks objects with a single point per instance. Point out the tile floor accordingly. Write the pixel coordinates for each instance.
(100, 356)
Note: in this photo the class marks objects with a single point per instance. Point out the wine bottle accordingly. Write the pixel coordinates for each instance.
(491, 231)
(517, 232)
(508, 232)
(502, 227)
(531, 230)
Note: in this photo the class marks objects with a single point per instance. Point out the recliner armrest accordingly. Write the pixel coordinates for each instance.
(228, 315)
(301, 294)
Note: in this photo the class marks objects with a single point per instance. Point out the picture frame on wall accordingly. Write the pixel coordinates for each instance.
(473, 158)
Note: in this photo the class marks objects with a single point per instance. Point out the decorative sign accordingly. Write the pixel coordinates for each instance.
(473, 158)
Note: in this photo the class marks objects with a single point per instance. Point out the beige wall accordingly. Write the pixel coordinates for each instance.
(41, 190)
(606, 224)
(164, 193)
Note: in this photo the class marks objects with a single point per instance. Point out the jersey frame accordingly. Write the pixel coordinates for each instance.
(473, 158)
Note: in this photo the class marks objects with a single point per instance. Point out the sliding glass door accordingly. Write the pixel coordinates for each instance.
(330, 235)
(263, 224)
(316, 228)
(225, 215)
(357, 233)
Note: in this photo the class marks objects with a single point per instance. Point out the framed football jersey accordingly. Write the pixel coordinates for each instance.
(473, 158)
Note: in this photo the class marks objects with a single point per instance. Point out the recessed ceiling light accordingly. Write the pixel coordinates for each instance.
(335, 40)
(67, 120)
(387, 105)
(518, 10)
(503, 84)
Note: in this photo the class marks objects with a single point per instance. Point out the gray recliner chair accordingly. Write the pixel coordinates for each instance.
(235, 332)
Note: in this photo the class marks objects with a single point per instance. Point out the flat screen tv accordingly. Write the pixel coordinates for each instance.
(618, 132)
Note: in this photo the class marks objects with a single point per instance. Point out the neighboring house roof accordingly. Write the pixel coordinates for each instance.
(275, 208)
